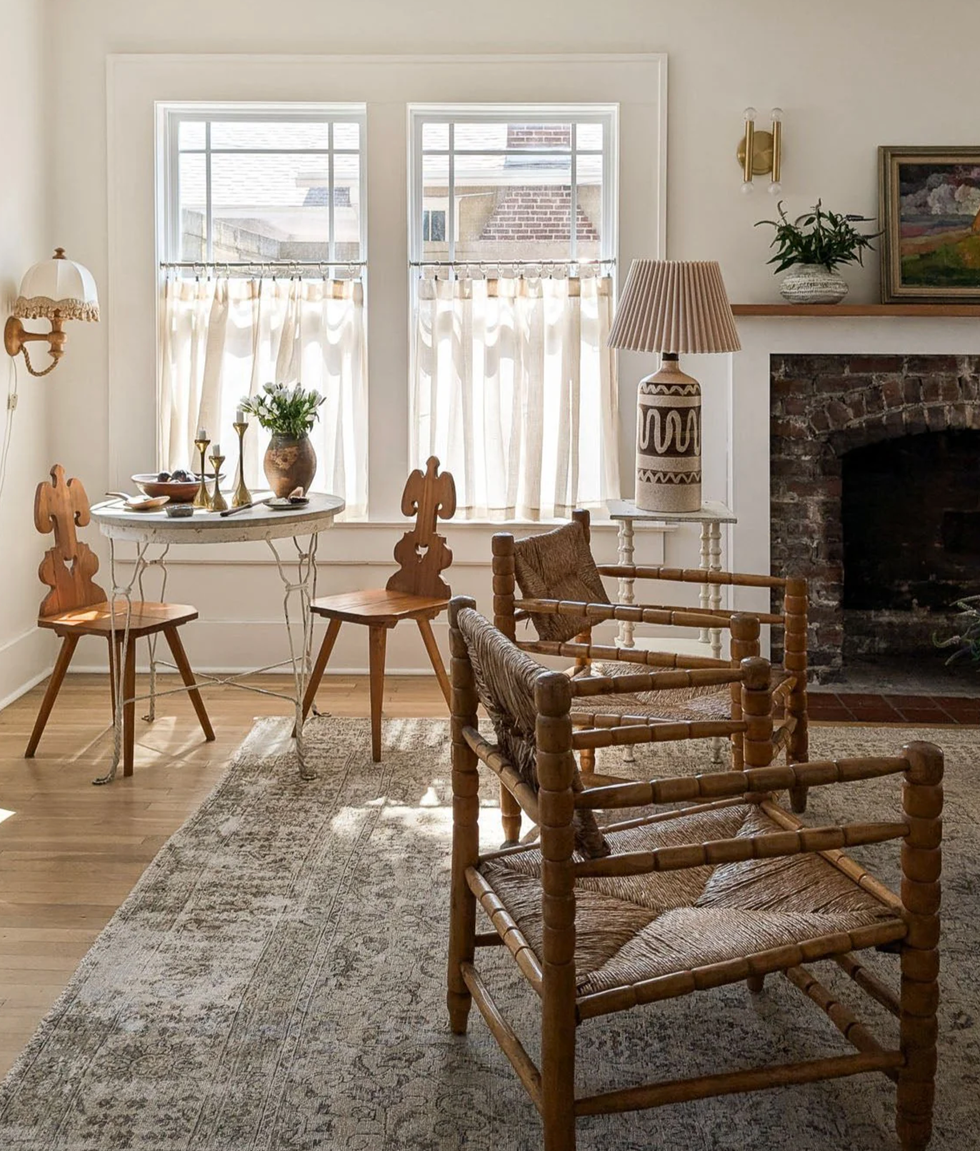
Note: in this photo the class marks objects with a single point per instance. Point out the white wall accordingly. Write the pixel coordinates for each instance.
(849, 76)
(25, 653)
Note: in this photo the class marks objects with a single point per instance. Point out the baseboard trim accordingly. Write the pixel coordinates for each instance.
(29, 653)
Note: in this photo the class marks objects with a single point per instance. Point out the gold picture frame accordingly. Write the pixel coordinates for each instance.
(929, 208)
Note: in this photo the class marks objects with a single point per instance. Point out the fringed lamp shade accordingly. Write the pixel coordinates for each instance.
(58, 285)
(671, 306)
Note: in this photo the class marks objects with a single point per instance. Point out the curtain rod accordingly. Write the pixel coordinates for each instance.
(504, 263)
(263, 263)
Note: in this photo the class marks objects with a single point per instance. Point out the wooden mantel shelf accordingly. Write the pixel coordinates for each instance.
(896, 311)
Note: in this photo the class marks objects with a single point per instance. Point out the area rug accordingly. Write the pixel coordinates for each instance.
(276, 981)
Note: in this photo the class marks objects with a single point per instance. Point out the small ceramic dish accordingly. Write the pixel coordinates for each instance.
(179, 511)
(140, 504)
(285, 503)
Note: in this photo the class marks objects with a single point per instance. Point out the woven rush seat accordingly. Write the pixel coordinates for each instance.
(681, 703)
(637, 928)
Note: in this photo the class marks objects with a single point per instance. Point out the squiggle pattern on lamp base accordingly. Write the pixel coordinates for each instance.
(668, 442)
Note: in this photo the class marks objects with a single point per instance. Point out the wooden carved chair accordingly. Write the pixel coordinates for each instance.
(729, 887)
(563, 597)
(77, 606)
(416, 591)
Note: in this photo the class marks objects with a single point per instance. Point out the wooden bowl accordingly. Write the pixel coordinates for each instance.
(179, 493)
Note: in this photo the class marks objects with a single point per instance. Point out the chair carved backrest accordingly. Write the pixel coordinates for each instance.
(422, 553)
(67, 568)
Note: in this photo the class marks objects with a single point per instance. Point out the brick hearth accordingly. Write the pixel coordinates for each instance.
(823, 406)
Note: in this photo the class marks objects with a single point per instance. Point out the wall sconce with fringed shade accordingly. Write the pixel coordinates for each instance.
(57, 290)
(761, 152)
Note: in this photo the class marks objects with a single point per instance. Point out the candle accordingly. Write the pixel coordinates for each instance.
(239, 416)
(216, 449)
(202, 434)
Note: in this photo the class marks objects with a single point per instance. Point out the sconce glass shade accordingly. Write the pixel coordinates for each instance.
(58, 285)
(674, 306)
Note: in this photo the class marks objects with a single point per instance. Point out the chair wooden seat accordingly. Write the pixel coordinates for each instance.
(378, 606)
(415, 592)
(76, 606)
(96, 619)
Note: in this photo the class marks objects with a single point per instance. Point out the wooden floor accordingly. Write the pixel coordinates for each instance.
(70, 853)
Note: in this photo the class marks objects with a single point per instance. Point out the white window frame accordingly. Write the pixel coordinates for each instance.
(522, 111)
(173, 114)
(139, 84)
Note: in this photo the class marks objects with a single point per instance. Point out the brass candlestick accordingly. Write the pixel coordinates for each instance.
(201, 499)
(242, 495)
(218, 503)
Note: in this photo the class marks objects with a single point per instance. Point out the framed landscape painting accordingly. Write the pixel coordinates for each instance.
(930, 211)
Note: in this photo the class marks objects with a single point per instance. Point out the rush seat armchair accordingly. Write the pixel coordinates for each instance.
(725, 887)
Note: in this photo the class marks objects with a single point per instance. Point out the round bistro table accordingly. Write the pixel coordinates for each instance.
(149, 530)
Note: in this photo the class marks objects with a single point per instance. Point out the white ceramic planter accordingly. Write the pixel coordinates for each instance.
(812, 284)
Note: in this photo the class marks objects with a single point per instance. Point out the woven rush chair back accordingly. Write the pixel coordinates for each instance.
(559, 565)
(505, 679)
(68, 567)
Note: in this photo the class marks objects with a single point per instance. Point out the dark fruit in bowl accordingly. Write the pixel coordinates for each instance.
(181, 476)
(162, 477)
(179, 491)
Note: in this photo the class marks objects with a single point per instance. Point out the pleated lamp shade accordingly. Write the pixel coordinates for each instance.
(674, 306)
(58, 285)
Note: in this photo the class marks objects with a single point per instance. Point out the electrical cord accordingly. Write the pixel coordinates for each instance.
(8, 430)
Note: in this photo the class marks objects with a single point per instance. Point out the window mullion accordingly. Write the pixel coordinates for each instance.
(331, 207)
(451, 211)
(573, 193)
(208, 222)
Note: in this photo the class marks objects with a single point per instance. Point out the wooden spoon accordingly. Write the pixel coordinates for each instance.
(141, 503)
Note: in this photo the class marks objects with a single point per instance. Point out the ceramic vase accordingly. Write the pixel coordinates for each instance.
(290, 462)
(812, 284)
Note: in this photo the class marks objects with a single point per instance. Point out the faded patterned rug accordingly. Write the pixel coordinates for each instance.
(276, 980)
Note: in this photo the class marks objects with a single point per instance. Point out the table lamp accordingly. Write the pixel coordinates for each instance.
(671, 306)
(57, 290)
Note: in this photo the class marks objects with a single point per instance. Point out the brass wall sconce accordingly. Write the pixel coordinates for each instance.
(761, 152)
(57, 290)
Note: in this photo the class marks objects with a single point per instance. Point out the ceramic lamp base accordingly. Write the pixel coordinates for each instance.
(668, 441)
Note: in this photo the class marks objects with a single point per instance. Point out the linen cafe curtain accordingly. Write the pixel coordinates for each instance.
(515, 391)
(224, 338)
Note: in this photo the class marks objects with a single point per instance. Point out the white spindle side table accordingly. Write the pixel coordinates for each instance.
(710, 517)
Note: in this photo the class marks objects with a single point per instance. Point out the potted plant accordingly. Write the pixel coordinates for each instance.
(813, 246)
(289, 414)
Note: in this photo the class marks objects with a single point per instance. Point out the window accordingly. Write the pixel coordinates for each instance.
(512, 384)
(263, 254)
(267, 187)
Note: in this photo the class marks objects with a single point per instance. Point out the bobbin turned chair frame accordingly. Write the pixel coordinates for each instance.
(910, 925)
(790, 694)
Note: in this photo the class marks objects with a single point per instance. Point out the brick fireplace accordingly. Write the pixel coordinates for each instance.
(875, 460)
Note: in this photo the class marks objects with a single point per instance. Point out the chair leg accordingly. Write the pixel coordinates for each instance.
(129, 706)
(68, 645)
(432, 648)
(319, 666)
(187, 675)
(466, 834)
(510, 817)
(378, 640)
